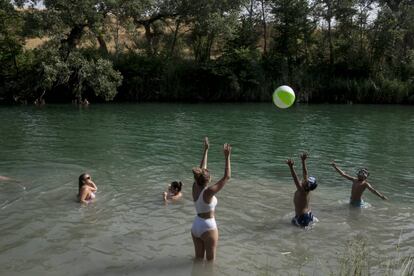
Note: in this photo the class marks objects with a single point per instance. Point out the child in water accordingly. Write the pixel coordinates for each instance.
(303, 215)
(173, 192)
(359, 184)
(87, 188)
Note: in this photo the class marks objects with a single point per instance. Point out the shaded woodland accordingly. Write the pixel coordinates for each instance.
(328, 51)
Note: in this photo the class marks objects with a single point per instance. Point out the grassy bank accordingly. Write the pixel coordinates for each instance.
(356, 259)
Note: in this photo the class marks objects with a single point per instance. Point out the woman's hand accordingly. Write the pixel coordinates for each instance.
(206, 144)
(227, 150)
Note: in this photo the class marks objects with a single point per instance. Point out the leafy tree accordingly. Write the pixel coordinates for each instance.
(292, 34)
(11, 47)
(211, 21)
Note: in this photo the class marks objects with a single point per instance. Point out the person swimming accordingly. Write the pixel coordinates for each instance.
(173, 192)
(204, 229)
(359, 184)
(303, 215)
(87, 188)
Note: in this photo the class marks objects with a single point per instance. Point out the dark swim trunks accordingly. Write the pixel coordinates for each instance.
(303, 220)
(357, 203)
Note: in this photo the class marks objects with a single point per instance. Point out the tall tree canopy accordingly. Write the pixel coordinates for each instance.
(330, 50)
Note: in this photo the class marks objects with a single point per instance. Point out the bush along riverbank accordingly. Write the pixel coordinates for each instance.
(206, 51)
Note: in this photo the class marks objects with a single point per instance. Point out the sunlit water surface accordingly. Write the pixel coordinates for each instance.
(134, 151)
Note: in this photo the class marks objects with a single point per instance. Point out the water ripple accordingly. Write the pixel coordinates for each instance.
(134, 151)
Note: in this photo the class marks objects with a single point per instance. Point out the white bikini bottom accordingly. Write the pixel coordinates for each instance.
(201, 225)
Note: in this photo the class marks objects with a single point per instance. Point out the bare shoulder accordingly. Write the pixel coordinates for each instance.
(367, 184)
(85, 188)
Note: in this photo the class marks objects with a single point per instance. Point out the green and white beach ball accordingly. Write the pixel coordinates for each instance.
(283, 97)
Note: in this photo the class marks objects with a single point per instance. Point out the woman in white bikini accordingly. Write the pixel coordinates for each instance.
(87, 188)
(204, 230)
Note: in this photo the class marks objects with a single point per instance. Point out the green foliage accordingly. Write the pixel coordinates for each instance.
(97, 76)
(292, 36)
(211, 21)
(327, 50)
(237, 75)
(11, 46)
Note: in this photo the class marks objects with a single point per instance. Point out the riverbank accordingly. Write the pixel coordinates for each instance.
(242, 79)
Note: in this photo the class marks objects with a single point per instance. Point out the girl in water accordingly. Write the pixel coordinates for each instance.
(204, 230)
(87, 188)
(173, 192)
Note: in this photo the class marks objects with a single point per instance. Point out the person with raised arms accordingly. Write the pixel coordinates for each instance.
(204, 230)
(359, 184)
(303, 215)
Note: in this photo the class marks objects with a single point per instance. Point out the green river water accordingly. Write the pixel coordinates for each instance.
(133, 151)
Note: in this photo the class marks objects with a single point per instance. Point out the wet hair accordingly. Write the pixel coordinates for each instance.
(363, 173)
(176, 186)
(201, 176)
(311, 181)
(81, 179)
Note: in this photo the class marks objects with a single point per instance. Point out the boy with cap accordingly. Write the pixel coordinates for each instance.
(303, 215)
(359, 184)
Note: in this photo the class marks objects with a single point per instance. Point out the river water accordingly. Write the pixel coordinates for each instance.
(133, 151)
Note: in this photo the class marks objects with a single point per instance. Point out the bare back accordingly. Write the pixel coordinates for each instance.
(301, 200)
(196, 191)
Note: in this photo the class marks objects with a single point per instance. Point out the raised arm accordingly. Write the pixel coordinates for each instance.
(92, 185)
(376, 192)
(341, 172)
(227, 174)
(203, 164)
(304, 156)
(294, 175)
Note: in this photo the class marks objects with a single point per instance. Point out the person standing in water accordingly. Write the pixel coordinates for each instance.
(87, 188)
(204, 230)
(359, 184)
(303, 215)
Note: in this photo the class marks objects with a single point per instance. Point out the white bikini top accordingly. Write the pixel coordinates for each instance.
(202, 207)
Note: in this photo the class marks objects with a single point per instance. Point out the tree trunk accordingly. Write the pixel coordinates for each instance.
(117, 37)
(264, 27)
(331, 56)
(149, 37)
(102, 45)
(73, 38)
(177, 27)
